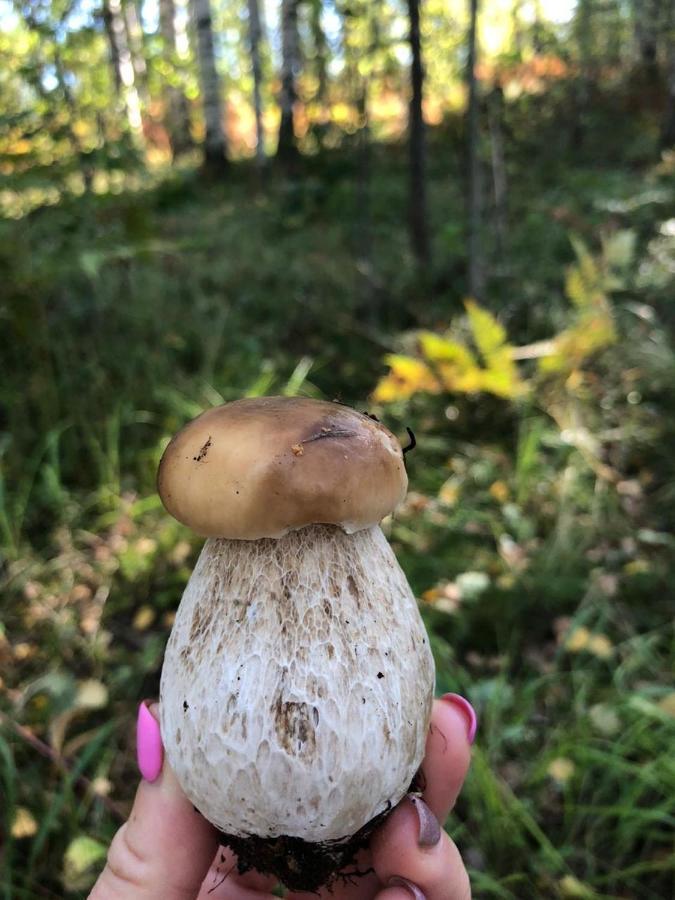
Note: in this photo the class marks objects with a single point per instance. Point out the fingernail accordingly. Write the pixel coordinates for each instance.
(430, 830)
(149, 749)
(397, 881)
(469, 712)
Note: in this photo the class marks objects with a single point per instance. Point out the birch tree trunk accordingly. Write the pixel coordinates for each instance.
(215, 145)
(255, 39)
(290, 67)
(476, 271)
(419, 229)
(122, 65)
(177, 117)
(134, 34)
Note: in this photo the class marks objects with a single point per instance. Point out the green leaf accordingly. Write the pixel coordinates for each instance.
(618, 249)
(80, 863)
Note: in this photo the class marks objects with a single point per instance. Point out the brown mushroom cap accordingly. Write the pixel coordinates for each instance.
(262, 467)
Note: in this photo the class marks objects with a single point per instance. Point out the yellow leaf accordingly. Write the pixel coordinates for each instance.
(443, 349)
(561, 769)
(572, 887)
(145, 546)
(500, 376)
(499, 491)
(24, 824)
(600, 645)
(81, 862)
(578, 639)
(488, 333)
(407, 376)
(101, 786)
(503, 380)
(144, 618)
(91, 694)
(570, 348)
(449, 492)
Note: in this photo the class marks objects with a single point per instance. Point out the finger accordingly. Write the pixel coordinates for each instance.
(404, 856)
(166, 847)
(448, 753)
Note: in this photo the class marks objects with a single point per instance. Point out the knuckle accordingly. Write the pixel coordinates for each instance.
(126, 869)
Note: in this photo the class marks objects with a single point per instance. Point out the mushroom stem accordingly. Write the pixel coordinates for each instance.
(297, 684)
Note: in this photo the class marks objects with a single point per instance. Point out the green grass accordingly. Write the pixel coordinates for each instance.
(127, 315)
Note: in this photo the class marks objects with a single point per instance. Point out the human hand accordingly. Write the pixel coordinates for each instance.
(168, 851)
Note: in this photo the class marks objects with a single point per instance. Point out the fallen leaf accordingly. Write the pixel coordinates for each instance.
(144, 618)
(91, 694)
(80, 863)
(561, 769)
(577, 640)
(24, 824)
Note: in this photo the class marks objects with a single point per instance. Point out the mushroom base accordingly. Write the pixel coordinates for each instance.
(302, 865)
(305, 865)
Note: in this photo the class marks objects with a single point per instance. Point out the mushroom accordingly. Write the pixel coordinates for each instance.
(297, 682)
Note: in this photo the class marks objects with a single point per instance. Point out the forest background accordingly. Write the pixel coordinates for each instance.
(458, 215)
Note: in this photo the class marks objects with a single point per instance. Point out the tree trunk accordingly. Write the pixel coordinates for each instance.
(668, 124)
(419, 229)
(177, 109)
(647, 15)
(255, 38)
(290, 66)
(499, 185)
(123, 69)
(538, 29)
(517, 27)
(134, 34)
(476, 272)
(215, 145)
(582, 88)
(86, 167)
(321, 57)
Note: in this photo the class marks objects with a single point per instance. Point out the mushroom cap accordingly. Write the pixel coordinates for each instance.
(265, 466)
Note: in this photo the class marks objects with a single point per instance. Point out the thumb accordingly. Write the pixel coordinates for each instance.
(165, 849)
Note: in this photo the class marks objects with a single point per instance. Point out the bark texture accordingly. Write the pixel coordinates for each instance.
(177, 117)
(215, 144)
(290, 67)
(255, 40)
(122, 63)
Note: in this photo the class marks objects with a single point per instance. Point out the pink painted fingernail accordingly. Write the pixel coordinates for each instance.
(430, 830)
(469, 712)
(149, 749)
(397, 881)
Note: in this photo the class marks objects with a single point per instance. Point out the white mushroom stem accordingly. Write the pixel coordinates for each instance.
(297, 684)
